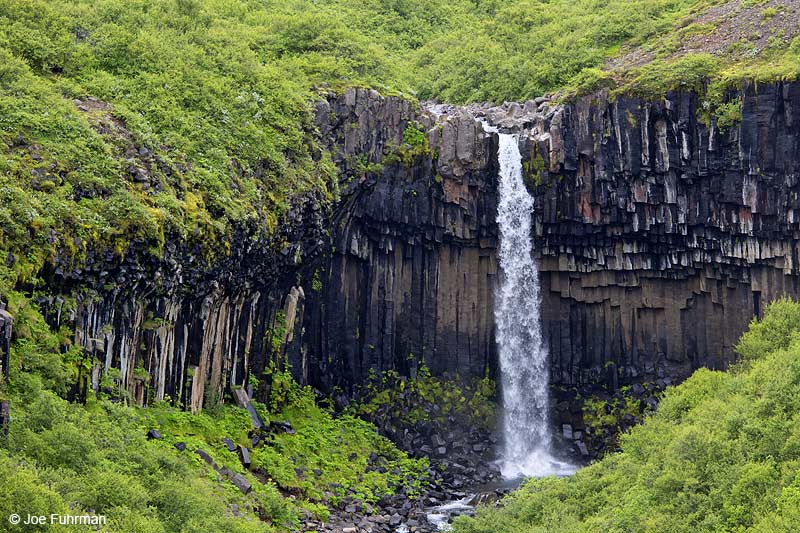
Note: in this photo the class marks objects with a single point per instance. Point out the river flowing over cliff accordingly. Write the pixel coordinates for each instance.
(524, 374)
(657, 235)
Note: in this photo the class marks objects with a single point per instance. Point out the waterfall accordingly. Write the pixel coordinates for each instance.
(523, 356)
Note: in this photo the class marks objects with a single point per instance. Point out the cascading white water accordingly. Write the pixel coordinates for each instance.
(523, 356)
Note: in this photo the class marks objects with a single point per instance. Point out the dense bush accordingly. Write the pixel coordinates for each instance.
(775, 331)
(183, 92)
(722, 453)
(427, 398)
(64, 458)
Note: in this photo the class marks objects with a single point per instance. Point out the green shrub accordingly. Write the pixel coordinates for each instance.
(327, 458)
(775, 331)
(689, 72)
(411, 400)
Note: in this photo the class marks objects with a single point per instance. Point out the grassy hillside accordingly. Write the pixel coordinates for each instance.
(59, 456)
(722, 453)
(71, 459)
(138, 121)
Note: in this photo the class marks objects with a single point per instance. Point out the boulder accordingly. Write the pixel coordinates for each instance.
(244, 457)
(281, 427)
(584, 451)
(241, 483)
(207, 458)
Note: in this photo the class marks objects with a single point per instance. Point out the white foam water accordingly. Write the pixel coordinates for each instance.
(522, 354)
(440, 516)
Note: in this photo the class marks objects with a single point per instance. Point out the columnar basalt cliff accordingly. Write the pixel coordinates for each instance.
(185, 328)
(658, 235)
(412, 266)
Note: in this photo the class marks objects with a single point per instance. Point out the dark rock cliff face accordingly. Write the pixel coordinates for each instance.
(183, 328)
(410, 274)
(658, 237)
(6, 329)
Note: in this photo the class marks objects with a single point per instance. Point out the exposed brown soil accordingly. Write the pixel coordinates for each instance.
(737, 30)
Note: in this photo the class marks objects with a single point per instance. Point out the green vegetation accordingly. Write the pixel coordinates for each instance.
(128, 123)
(415, 144)
(426, 398)
(65, 458)
(329, 458)
(721, 453)
(688, 72)
(604, 418)
(61, 456)
(777, 330)
(522, 49)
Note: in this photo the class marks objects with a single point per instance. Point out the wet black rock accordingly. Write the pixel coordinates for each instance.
(205, 457)
(244, 457)
(582, 448)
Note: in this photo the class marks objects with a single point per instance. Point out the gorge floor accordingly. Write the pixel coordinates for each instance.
(468, 474)
(465, 462)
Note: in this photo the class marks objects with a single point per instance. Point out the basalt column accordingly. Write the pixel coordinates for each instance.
(659, 234)
(411, 271)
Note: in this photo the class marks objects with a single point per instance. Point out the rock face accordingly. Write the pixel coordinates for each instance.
(658, 235)
(6, 327)
(411, 269)
(184, 329)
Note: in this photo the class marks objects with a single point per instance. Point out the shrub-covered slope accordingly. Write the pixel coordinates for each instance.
(141, 121)
(65, 458)
(722, 453)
